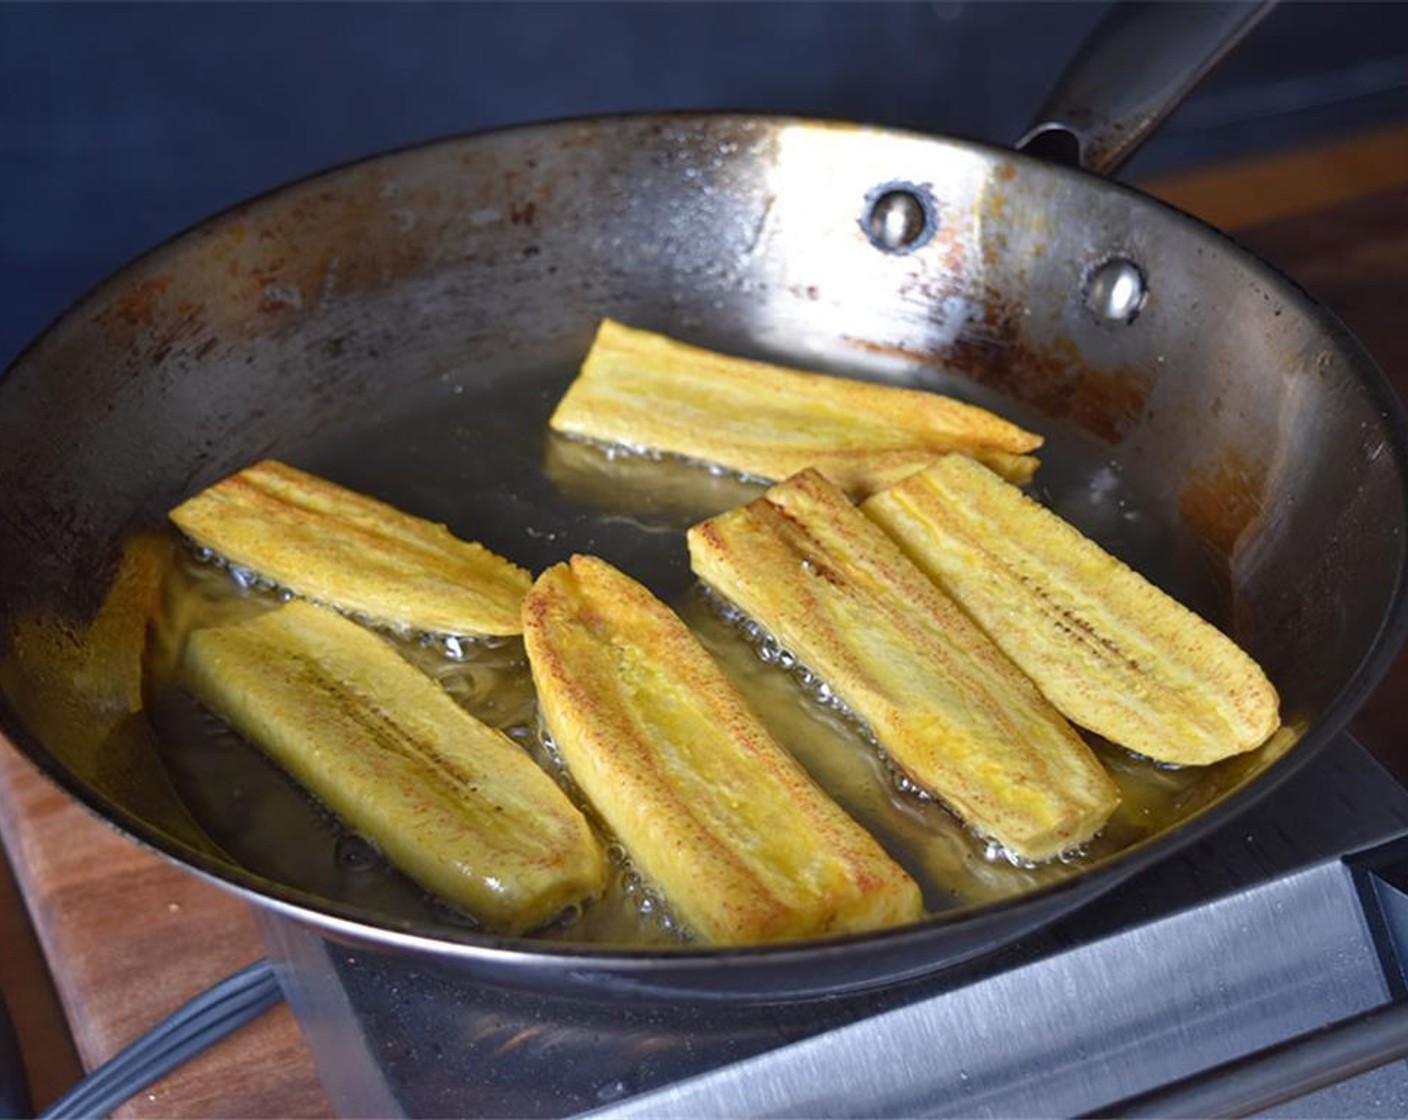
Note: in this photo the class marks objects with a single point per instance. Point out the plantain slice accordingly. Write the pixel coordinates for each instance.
(1108, 648)
(648, 391)
(336, 546)
(450, 801)
(729, 827)
(949, 708)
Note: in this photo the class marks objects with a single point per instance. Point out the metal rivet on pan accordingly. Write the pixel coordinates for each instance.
(899, 217)
(1116, 290)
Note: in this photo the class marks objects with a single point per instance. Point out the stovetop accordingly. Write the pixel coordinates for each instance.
(1285, 920)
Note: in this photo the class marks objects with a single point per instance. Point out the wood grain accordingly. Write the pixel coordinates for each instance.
(1272, 188)
(51, 1065)
(130, 938)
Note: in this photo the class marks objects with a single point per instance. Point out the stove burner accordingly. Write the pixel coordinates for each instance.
(1262, 932)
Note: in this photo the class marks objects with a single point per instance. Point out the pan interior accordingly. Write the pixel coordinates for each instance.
(405, 327)
(551, 498)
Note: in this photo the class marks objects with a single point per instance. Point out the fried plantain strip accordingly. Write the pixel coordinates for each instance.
(1108, 648)
(649, 391)
(952, 712)
(336, 546)
(730, 828)
(453, 803)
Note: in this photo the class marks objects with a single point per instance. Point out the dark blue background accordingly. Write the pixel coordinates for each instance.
(121, 124)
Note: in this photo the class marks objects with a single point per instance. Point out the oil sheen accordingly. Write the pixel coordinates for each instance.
(479, 457)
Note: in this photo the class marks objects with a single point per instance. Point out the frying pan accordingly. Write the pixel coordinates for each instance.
(405, 324)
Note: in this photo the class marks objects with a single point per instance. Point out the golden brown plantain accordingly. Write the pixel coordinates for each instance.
(649, 391)
(1108, 648)
(336, 546)
(729, 827)
(952, 712)
(453, 803)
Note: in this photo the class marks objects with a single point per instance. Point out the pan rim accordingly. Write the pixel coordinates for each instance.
(1083, 886)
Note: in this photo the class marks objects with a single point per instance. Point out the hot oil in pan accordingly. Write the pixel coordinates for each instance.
(537, 499)
(269, 825)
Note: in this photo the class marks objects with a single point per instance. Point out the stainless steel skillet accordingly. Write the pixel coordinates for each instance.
(405, 323)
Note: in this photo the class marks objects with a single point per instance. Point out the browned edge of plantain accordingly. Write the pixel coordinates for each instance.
(336, 546)
(452, 802)
(1112, 651)
(949, 708)
(741, 842)
(645, 390)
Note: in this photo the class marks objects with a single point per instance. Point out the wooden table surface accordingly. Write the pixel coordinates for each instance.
(128, 937)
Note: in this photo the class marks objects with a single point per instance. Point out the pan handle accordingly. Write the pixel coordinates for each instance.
(1135, 68)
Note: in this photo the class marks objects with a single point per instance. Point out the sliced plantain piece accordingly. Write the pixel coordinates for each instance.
(336, 546)
(951, 711)
(648, 391)
(1108, 648)
(451, 802)
(719, 817)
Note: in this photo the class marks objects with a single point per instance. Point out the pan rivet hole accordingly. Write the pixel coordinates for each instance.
(899, 217)
(1116, 290)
